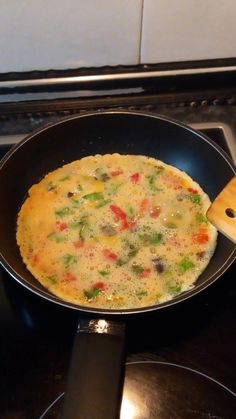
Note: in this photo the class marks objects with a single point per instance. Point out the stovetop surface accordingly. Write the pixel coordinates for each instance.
(37, 337)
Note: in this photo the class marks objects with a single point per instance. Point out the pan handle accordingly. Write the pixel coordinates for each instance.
(94, 385)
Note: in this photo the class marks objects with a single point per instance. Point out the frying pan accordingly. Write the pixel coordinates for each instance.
(95, 376)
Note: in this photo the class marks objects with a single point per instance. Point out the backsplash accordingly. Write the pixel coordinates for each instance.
(94, 33)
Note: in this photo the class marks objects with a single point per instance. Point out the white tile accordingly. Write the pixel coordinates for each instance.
(68, 34)
(180, 30)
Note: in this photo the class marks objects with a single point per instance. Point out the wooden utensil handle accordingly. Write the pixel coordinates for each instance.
(222, 212)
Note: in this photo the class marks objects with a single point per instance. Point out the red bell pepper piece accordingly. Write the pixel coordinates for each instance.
(135, 177)
(116, 173)
(108, 254)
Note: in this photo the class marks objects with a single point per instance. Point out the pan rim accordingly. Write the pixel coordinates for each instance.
(121, 312)
(63, 120)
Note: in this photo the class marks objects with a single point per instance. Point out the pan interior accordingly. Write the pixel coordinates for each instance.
(103, 133)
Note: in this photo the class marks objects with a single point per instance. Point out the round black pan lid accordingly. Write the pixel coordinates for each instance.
(160, 390)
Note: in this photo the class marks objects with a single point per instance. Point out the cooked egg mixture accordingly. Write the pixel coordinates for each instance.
(116, 231)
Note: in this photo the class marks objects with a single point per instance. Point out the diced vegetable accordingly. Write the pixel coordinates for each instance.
(52, 279)
(101, 175)
(103, 202)
(152, 179)
(94, 196)
(137, 269)
(175, 289)
(82, 225)
(104, 273)
(152, 183)
(184, 265)
(130, 212)
(69, 260)
(78, 244)
(154, 211)
(63, 212)
(140, 270)
(113, 188)
(146, 272)
(108, 254)
(116, 173)
(120, 215)
(68, 277)
(94, 291)
(141, 293)
(193, 191)
(144, 205)
(58, 237)
(108, 230)
(195, 199)
(100, 285)
(130, 254)
(67, 177)
(201, 218)
(51, 186)
(118, 212)
(151, 238)
(158, 265)
(200, 238)
(135, 178)
(61, 226)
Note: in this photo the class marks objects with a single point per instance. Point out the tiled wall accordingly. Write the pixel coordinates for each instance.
(83, 33)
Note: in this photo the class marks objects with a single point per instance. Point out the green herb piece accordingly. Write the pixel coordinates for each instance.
(58, 237)
(52, 279)
(157, 298)
(75, 224)
(101, 175)
(92, 293)
(201, 218)
(151, 239)
(175, 289)
(121, 262)
(141, 293)
(137, 269)
(76, 202)
(69, 260)
(104, 273)
(113, 188)
(171, 225)
(152, 183)
(132, 253)
(94, 196)
(103, 202)
(84, 228)
(130, 212)
(51, 186)
(82, 225)
(195, 199)
(63, 212)
(184, 265)
(64, 178)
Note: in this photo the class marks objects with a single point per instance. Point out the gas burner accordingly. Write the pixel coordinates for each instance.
(163, 390)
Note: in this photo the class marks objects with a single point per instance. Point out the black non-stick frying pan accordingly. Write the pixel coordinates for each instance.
(96, 360)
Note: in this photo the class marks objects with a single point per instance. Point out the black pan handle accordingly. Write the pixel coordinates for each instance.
(95, 378)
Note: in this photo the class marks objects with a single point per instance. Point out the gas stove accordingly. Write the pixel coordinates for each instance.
(196, 337)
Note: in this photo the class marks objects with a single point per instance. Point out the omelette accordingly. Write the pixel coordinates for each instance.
(116, 231)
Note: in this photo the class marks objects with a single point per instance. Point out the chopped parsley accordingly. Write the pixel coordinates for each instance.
(63, 212)
(184, 265)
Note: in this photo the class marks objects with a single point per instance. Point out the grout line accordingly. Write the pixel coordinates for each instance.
(141, 33)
